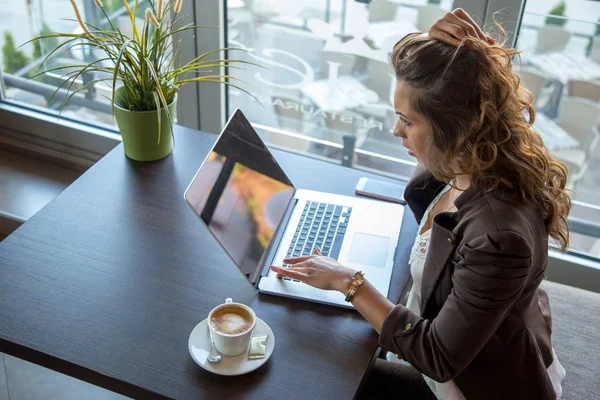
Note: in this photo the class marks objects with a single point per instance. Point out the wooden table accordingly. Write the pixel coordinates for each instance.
(108, 280)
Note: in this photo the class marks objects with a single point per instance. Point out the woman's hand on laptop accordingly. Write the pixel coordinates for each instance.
(319, 271)
(328, 274)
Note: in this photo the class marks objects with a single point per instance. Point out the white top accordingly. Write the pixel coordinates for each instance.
(449, 390)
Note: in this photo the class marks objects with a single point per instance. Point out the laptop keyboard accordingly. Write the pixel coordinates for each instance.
(322, 225)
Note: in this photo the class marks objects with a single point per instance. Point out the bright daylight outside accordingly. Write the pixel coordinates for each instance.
(23, 20)
(326, 84)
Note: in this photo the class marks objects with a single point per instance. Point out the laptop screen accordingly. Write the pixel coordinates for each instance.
(241, 193)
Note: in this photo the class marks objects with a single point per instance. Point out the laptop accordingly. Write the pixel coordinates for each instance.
(259, 218)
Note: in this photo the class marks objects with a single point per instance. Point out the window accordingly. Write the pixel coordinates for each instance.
(326, 82)
(24, 85)
(561, 67)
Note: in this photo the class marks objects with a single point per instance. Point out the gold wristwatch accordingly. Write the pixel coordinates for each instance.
(357, 280)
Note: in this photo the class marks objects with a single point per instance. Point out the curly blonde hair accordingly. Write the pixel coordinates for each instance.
(481, 119)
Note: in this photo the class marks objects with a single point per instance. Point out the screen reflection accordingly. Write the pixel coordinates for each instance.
(241, 193)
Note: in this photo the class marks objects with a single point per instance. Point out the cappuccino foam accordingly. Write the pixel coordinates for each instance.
(231, 320)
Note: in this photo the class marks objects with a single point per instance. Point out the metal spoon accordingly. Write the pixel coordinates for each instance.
(214, 356)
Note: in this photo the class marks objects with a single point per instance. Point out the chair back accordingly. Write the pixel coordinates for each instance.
(579, 118)
(533, 81)
(595, 149)
(585, 89)
(574, 319)
(551, 39)
(382, 10)
(428, 15)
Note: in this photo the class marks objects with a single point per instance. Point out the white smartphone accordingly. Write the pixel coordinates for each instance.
(393, 192)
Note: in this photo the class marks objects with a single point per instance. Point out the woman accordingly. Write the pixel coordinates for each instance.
(487, 195)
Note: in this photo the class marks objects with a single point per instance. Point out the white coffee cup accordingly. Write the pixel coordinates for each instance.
(231, 344)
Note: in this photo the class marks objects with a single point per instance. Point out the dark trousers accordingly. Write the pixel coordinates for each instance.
(390, 380)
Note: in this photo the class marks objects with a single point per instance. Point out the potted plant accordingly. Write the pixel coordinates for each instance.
(143, 71)
(558, 10)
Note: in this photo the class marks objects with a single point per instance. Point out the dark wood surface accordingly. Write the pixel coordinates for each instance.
(108, 280)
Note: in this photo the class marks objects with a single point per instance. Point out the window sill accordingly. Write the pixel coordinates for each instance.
(28, 185)
(76, 144)
(573, 270)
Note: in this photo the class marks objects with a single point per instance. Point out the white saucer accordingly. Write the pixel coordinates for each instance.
(199, 346)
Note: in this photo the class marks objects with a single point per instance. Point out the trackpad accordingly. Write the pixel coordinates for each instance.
(369, 250)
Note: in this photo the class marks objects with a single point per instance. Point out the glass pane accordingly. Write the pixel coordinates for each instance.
(561, 67)
(21, 21)
(326, 75)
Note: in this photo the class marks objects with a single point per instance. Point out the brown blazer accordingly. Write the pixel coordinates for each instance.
(484, 322)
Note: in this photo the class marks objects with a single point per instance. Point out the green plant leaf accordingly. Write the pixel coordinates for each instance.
(235, 86)
(157, 100)
(160, 92)
(209, 77)
(132, 19)
(117, 63)
(74, 92)
(65, 67)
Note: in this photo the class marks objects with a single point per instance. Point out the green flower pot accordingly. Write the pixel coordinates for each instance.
(142, 140)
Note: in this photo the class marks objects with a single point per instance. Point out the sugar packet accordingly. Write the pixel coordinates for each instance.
(258, 347)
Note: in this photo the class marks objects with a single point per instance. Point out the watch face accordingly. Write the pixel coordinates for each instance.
(360, 277)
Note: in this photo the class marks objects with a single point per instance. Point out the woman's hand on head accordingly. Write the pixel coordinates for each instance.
(319, 271)
(454, 26)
